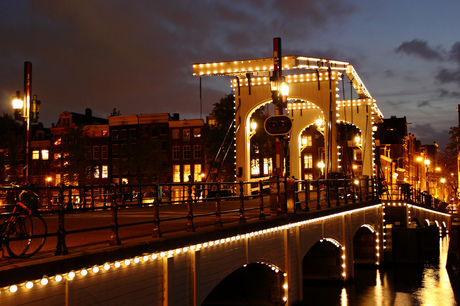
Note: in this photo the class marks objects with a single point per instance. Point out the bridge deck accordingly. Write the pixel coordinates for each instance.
(93, 247)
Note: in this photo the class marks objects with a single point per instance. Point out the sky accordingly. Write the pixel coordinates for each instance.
(137, 56)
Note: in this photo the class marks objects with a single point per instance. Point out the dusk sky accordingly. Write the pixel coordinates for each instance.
(137, 56)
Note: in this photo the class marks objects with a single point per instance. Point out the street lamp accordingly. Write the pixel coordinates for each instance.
(321, 166)
(253, 127)
(443, 180)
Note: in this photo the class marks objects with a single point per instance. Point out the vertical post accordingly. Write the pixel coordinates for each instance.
(92, 196)
(61, 248)
(190, 226)
(156, 216)
(307, 195)
(328, 192)
(318, 194)
(115, 238)
(261, 196)
(242, 217)
(218, 211)
(345, 191)
(337, 192)
(278, 196)
(27, 94)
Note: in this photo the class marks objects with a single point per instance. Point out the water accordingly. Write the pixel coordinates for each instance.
(424, 284)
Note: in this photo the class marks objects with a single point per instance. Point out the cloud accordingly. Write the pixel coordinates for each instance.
(423, 103)
(429, 134)
(443, 93)
(420, 49)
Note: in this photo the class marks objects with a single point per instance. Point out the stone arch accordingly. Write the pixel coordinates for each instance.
(324, 261)
(364, 245)
(256, 283)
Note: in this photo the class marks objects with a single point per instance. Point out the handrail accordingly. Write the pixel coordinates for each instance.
(61, 200)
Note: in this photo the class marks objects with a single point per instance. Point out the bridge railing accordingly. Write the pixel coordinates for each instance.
(405, 192)
(281, 196)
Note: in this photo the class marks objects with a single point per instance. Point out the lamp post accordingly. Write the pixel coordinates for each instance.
(321, 166)
(427, 164)
(443, 180)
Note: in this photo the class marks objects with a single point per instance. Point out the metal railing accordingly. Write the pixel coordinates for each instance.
(281, 197)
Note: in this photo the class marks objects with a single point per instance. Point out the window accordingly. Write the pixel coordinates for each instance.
(176, 152)
(123, 134)
(357, 155)
(105, 152)
(176, 173)
(144, 131)
(175, 134)
(35, 154)
(307, 141)
(164, 145)
(186, 173)
(57, 156)
(163, 130)
(186, 134)
(197, 132)
(115, 134)
(66, 121)
(132, 133)
(186, 152)
(308, 161)
(309, 176)
(268, 168)
(154, 131)
(197, 172)
(255, 169)
(115, 169)
(105, 171)
(197, 151)
(114, 149)
(45, 154)
(96, 172)
(96, 153)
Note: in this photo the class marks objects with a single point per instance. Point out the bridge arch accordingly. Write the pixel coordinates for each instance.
(365, 243)
(257, 283)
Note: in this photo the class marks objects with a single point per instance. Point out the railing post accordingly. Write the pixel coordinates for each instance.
(337, 192)
(83, 190)
(61, 248)
(328, 192)
(297, 205)
(156, 233)
(372, 187)
(346, 191)
(190, 226)
(242, 217)
(218, 211)
(105, 190)
(115, 238)
(261, 196)
(353, 185)
(360, 190)
(92, 196)
(278, 196)
(307, 195)
(318, 194)
(69, 202)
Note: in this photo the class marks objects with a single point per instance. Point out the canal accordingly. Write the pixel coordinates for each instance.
(395, 284)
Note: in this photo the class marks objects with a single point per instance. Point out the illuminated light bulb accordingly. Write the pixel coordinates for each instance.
(13, 288)
(136, 260)
(170, 253)
(185, 249)
(178, 251)
(95, 269)
(284, 299)
(285, 286)
(71, 275)
(83, 272)
(162, 254)
(145, 258)
(29, 285)
(117, 264)
(154, 256)
(127, 262)
(58, 278)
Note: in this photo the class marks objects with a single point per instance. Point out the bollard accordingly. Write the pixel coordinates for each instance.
(218, 211)
(115, 238)
(242, 217)
(261, 195)
(61, 248)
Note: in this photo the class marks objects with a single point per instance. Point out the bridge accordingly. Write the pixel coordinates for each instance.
(232, 249)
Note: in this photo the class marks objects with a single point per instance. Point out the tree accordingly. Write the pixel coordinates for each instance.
(218, 139)
(12, 141)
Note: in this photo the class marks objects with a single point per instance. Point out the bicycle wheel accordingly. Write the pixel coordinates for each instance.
(20, 229)
(39, 235)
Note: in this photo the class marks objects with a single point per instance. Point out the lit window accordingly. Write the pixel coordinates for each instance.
(197, 172)
(268, 169)
(176, 152)
(186, 173)
(57, 155)
(35, 154)
(197, 132)
(58, 142)
(176, 173)
(175, 134)
(186, 134)
(197, 151)
(45, 154)
(105, 171)
(357, 155)
(308, 161)
(186, 152)
(96, 172)
(255, 169)
(307, 141)
(96, 153)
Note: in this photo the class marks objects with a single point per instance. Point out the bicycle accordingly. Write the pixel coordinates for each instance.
(22, 232)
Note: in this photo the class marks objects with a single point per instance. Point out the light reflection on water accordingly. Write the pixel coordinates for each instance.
(427, 284)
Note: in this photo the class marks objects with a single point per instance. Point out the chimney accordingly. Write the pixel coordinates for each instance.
(88, 113)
